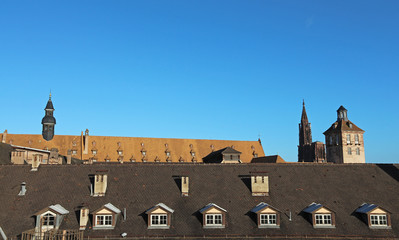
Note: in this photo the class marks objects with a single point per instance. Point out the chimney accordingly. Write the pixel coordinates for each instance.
(69, 156)
(3, 140)
(86, 142)
(184, 186)
(23, 189)
(100, 184)
(260, 185)
(37, 159)
(84, 218)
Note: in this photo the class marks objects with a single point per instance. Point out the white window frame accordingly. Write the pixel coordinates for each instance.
(325, 219)
(356, 138)
(380, 220)
(158, 218)
(348, 139)
(104, 220)
(45, 222)
(212, 218)
(269, 219)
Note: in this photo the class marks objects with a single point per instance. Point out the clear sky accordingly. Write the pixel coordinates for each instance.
(203, 69)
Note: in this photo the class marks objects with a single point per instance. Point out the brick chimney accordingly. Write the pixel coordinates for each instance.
(37, 159)
(69, 156)
(184, 186)
(84, 218)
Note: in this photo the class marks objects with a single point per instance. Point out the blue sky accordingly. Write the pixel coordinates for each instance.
(203, 69)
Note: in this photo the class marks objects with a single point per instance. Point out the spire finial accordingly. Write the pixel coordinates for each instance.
(49, 95)
(303, 102)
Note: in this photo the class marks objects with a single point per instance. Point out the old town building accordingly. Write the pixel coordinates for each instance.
(344, 140)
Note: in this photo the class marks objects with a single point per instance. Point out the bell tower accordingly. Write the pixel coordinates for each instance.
(344, 140)
(305, 137)
(48, 121)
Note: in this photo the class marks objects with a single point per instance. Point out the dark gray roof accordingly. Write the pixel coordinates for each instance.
(217, 156)
(49, 105)
(138, 187)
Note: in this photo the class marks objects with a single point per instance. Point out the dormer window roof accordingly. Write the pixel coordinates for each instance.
(267, 216)
(375, 216)
(320, 216)
(159, 216)
(213, 216)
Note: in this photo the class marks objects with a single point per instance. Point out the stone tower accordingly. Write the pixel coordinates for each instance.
(305, 137)
(48, 121)
(309, 151)
(344, 140)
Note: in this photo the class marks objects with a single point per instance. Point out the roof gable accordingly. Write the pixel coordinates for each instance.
(110, 207)
(261, 206)
(210, 206)
(159, 205)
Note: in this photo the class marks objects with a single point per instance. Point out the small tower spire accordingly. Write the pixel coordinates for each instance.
(48, 120)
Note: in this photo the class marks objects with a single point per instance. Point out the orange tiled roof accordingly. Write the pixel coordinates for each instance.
(133, 146)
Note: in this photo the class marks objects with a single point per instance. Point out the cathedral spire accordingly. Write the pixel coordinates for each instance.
(305, 133)
(304, 118)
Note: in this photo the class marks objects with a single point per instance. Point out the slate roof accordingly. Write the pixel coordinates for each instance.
(342, 125)
(268, 159)
(138, 187)
(312, 207)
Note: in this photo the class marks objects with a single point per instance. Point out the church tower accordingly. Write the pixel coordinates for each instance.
(344, 140)
(305, 137)
(48, 121)
(309, 151)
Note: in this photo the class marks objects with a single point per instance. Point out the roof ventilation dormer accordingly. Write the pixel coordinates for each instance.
(23, 189)
(100, 184)
(260, 185)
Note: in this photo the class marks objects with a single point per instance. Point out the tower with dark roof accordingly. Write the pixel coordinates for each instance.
(344, 140)
(308, 151)
(48, 121)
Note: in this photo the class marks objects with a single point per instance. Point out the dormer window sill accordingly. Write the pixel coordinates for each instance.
(103, 228)
(158, 227)
(215, 226)
(380, 227)
(268, 226)
(324, 226)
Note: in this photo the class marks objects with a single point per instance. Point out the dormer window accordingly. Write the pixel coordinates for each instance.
(74, 152)
(105, 217)
(94, 152)
(159, 216)
(213, 216)
(375, 216)
(50, 217)
(267, 216)
(320, 216)
(120, 152)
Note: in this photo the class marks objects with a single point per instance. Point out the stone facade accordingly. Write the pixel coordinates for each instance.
(309, 151)
(344, 140)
